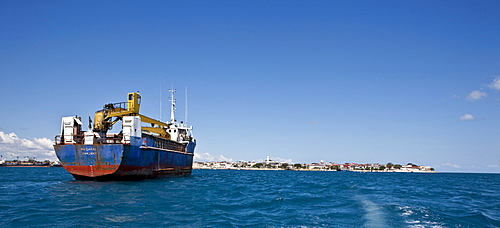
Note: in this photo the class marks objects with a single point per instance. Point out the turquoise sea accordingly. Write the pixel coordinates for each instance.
(50, 197)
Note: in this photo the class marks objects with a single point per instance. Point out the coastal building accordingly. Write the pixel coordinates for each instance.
(317, 166)
(269, 164)
(272, 164)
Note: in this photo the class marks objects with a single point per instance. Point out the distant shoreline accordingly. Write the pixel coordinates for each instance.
(318, 170)
(304, 170)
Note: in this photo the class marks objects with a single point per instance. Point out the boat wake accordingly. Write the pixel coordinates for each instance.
(374, 215)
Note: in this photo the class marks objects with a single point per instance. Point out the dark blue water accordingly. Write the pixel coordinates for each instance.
(49, 197)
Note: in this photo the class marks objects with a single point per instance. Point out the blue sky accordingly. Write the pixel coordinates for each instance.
(301, 81)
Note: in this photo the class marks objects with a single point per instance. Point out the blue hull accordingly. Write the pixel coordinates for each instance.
(123, 161)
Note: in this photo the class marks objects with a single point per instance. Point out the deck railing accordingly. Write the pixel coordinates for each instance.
(79, 139)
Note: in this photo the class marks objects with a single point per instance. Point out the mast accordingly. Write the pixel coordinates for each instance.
(160, 103)
(186, 107)
(172, 106)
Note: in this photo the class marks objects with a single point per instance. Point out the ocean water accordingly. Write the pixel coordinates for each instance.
(50, 197)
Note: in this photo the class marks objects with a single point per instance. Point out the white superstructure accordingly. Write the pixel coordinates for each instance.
(179, 132)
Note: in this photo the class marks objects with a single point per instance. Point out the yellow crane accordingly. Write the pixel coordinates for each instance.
(103, 119)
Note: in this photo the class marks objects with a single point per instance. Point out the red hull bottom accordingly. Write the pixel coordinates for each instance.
(123, 173)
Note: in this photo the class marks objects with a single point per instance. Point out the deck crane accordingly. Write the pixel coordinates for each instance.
(103, 119)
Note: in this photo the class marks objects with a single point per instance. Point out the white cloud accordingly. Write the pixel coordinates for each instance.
(476, 95)
(206, 157)
(222, 158)
(450, 165)
(203, 157)
(467, 117)
(289, 161)
(11, 147)
(495, 84)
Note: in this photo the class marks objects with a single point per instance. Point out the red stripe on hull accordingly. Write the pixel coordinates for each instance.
(92, 170)
(117, 172)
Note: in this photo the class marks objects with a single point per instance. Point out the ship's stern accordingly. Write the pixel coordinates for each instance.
(90, 161)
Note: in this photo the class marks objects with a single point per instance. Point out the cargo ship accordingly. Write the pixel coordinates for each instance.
(144, 148)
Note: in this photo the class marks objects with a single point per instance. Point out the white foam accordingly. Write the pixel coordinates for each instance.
(374, 216)
(412, 222)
